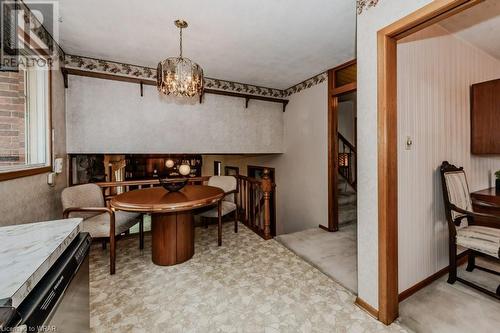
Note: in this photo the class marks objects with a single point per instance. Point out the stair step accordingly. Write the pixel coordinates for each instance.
(346, 198)
(347, 213)
(343, 186)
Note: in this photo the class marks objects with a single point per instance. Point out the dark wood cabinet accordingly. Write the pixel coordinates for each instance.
(485, 117)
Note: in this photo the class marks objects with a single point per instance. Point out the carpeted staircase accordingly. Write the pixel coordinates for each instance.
(347, 202)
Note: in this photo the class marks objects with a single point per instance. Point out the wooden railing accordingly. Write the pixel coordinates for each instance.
(254, 203)
(347, 160)
(253, 198)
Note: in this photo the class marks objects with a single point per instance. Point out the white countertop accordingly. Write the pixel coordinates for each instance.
(27, 251)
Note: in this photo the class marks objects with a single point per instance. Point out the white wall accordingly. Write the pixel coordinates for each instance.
(435, 71)
(301, 172)
(106, 116)
(346, 120)
(369, 22)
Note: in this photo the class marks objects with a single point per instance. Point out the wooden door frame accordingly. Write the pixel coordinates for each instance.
(333, 147)
(387, 143)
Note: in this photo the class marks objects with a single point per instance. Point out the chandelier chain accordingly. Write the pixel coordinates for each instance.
(180, 41)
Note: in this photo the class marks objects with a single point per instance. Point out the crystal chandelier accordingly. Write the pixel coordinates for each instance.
(178, 75)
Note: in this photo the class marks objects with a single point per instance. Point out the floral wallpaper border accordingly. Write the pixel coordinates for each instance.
(365, 4)
(147, 73)
(317, 79)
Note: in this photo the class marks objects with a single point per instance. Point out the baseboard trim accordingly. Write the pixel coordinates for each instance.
(424, 283)
(366, 307)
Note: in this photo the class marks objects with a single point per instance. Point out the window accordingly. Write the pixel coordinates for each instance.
(24, 122)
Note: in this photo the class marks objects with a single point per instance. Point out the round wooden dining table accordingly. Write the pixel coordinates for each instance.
(172, 226)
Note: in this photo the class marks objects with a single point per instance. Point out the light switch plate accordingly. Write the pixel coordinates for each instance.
(409, 143)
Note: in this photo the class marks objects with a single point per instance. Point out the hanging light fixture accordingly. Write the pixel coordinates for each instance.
(180, 76)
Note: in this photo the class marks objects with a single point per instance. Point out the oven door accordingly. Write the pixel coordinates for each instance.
(72, 314)
(60, 301)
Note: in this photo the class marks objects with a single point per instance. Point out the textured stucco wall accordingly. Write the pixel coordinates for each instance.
(369, 22)
(30, 199)
(106, 116)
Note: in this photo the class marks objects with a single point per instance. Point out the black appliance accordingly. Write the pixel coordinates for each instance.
(60, 300)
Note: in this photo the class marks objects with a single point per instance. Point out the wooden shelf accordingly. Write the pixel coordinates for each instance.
(141, 82)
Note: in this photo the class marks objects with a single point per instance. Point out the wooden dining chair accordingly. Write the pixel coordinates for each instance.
(463, 231)
(87, 201)
(227, 205)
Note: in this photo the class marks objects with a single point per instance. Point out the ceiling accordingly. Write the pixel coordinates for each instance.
(479, 25)
(274, 44)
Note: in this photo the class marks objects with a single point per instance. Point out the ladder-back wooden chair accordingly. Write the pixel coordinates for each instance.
(478, 240)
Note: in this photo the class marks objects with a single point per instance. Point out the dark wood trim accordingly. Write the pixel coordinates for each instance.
(333, 208)
(424, 283)
(24, 173)
(387, 182)
(105, 76)
(427, 16)
(345, 64)
(367, 307)
(333, 145)
(387, 143)
(247, 97)
(346, 88)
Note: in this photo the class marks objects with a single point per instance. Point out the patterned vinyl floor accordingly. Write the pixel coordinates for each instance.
(246, 285)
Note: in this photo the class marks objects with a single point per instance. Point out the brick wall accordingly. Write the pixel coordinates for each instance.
(12, 121)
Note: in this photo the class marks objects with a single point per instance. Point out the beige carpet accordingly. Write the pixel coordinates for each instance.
(333, 253)
(456, 308)
(247, 285)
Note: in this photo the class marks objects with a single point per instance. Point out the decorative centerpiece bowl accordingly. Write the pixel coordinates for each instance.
(173, 185)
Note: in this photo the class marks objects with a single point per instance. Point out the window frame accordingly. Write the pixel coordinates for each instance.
(36, 170)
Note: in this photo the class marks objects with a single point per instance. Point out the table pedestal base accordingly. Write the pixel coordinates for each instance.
(172, 237)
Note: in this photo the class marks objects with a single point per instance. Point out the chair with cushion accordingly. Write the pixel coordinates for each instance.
(228, 204)
(87, 201)
(463, 231)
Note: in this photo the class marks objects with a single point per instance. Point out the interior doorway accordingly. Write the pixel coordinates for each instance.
(342, 137)
(387, 164)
